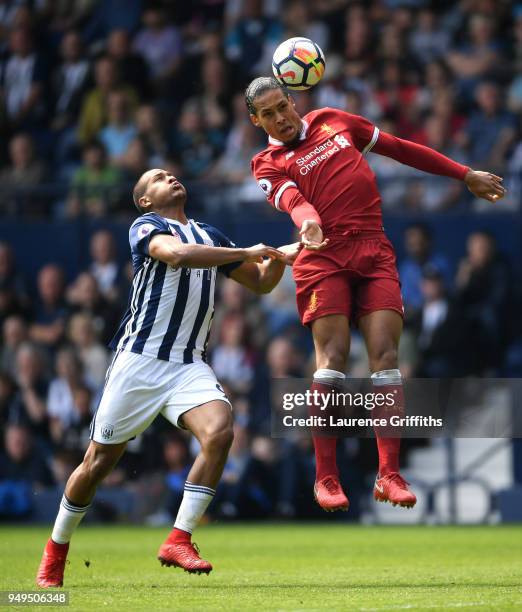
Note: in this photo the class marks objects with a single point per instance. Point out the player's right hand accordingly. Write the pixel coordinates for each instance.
(485, 185)
(256, 253)
(312, 236)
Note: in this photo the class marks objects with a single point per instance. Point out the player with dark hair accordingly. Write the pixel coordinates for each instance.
(160, 363)
(314, 169)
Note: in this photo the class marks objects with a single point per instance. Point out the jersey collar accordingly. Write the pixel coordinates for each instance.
(302, 136)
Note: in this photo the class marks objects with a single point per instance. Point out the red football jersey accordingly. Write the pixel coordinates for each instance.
(328, 168)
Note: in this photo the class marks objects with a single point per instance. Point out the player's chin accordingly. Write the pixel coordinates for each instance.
(179, 194)
(288, 135)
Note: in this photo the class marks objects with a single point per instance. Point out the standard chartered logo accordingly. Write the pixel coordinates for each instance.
(320, 153)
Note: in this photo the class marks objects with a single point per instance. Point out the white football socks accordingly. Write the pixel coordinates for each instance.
(196, 499)
(69, 517)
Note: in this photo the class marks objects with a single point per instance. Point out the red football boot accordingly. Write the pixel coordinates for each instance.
(329, 494)
(52, 565)
(394, 489)
(181, 552)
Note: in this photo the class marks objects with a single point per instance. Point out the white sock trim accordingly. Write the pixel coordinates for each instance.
(387, 377)
(68, 518)
(196, 499)
(325, 373)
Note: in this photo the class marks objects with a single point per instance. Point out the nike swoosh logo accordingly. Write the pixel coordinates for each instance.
(379, 488)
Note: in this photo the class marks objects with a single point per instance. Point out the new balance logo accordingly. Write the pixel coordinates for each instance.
(290, 154)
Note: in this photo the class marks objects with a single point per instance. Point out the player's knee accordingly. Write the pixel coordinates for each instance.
(386, 358)
(332, 357)
(218, 436)
(97, 465)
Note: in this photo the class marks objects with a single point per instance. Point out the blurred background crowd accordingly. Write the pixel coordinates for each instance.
(94, 92)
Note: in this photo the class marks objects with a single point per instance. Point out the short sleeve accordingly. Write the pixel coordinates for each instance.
(143, 229)
(220, 240)
(272, 181)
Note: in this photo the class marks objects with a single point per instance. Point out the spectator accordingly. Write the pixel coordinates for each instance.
(93, 114)
(152, 134)
(111, 15)
(482, 290)
(7, 395)
(252, 41)
(22, 84)
(51, 311)
(478, 57)
(282, 361)
(30, 407)
(84, 296)
(242, 143)
(135, 162)
(215, 95)
(95, 186)
(120, 130)
(25, 171)
(63, 15)
(61, 407)
(159, 43)
(94, 356)
(70, 81)
(491, 130)
(299, 21)
(398, 98)
(235, 299)
(131, 66)
(15, 332)
(104, 266)
(9, 275)
(431, 193)
(428, 41)
(76, 436)
(419, 253)
(196, 145)
(8, 10)
(444, 338)
(22, 470)
(232, 359)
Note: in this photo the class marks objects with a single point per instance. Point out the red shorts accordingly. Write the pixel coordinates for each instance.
(353, 276)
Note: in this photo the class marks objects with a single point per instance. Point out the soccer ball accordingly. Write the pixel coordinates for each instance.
(298, 63)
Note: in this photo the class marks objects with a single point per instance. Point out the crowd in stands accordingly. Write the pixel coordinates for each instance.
(94, 92)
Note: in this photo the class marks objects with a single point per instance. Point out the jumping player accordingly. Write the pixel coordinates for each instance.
(314, 169)
(160, 366)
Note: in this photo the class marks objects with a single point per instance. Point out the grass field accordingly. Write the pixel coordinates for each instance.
(283, 567)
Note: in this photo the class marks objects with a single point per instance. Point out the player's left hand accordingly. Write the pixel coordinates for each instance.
(291, 252)
(312, 236)
(485, 185)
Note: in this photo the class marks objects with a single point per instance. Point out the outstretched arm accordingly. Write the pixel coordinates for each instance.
(173, 252)
(482, 184)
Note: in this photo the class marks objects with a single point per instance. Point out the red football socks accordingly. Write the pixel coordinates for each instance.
(178, 536)
(325, 447)
(389, 448)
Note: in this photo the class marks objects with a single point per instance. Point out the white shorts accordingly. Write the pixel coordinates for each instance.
(139, 388)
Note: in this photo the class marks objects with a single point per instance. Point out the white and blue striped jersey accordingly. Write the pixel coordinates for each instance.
(170, 310)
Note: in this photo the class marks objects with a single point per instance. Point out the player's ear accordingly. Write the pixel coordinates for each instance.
(291, 100)
(144, 203)
(254, 120)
